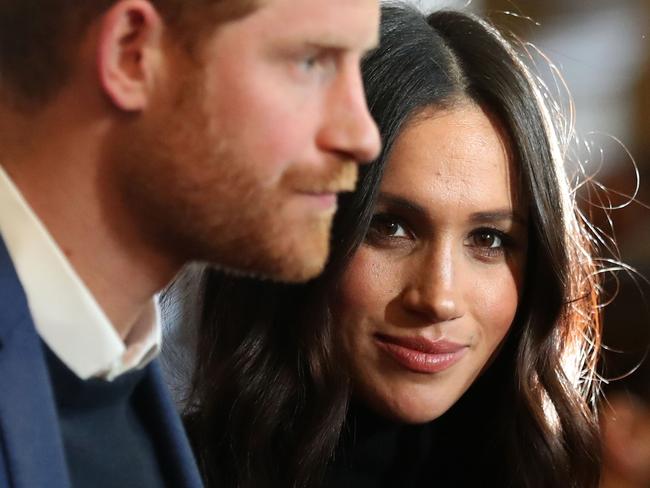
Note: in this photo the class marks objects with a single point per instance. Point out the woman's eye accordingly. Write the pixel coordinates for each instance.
(489, 243)
(488, 239)
(387, 226)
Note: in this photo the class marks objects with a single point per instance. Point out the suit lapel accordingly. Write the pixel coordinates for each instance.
(30, 438)
(29, 426)
(166, 428)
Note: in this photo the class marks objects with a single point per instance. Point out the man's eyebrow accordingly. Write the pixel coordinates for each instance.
(339, 47)
(498, 215)
(333, 40)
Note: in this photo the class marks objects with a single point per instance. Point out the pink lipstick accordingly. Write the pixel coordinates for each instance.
(421, 355)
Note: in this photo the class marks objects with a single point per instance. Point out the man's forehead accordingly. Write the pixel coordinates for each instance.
(336, 23)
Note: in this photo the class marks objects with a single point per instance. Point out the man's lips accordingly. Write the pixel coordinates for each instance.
(324, 191)
(420, 354)
(323, 199)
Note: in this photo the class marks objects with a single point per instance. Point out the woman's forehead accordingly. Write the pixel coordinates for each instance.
(454, 155)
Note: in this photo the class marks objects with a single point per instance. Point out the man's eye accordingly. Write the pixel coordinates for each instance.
(322, 65)
(308, 63)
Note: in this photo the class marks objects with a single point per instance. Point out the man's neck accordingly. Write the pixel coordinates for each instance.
(56, 163)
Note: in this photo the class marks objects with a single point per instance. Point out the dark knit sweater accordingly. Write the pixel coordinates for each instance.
(461, 449)
(105, 435)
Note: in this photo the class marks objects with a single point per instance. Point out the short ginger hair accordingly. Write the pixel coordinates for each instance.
(39, 38)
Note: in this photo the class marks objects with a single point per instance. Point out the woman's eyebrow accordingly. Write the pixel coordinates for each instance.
(486, 217)
(498, 215)
(396, 201)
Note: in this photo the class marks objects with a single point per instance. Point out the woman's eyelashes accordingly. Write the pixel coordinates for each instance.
(485, 243)
(489, 243)
(386, 228)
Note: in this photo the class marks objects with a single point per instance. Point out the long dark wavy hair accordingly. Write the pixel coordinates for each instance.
(269, 398)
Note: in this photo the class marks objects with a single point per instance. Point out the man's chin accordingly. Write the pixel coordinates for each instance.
(298, 262)
(304, 256)
(301, 265)
(293, 271)
(303, 271)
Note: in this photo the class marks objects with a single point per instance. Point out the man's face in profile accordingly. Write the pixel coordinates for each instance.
(266, 126)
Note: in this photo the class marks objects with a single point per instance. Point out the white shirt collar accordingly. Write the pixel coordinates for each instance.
(66, 315)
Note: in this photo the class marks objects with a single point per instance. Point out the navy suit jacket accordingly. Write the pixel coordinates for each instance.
(31, 447)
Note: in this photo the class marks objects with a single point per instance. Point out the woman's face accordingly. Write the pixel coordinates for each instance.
(430, 295)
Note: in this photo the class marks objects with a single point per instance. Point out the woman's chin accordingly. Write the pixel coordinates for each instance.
(417, 417)
(413, 412)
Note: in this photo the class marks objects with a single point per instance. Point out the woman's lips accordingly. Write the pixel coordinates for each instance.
(421, 355)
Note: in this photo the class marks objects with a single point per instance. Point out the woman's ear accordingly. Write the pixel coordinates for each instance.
(130, 57)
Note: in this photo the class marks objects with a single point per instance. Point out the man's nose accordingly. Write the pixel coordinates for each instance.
(349, 128)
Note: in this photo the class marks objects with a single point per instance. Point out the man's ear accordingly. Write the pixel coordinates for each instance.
(129, 54)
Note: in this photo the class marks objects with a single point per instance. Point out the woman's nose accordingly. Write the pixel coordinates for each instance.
(433, 290)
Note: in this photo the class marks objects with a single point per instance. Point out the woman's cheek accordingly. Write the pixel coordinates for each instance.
(495, 304)
(365, 284)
